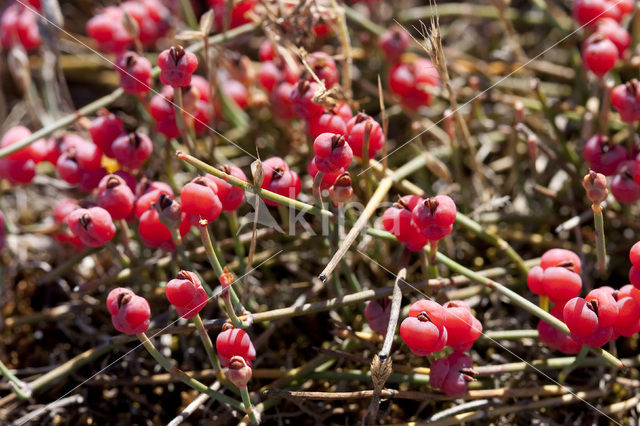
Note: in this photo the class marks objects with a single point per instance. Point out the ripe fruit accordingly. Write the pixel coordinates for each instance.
(634, 254)
(115, 196)
(452, 374)
(628, 321)
(200, 200)
(234, 342)
(459, 323)
(302, 100)
(333, 120)
(377, 312)
(154, 234)
(148, 193)
(186, 293)
(332, 152)
(599, 54)
(588, 12)
(554, 338)
(434, 216)
(413, 82)
(356, 129)
(397, 220)
(324, 67)
(282, 102)
(60, 213)
(279, 179)
(230, 196)
(132, 150)
(135, 73)
(328, 179)
(603, 155)
(612, 30)
(394, 42)
(560, 284)
(590, 320)
(623, 185)
(129, 312)
(605, 305)
(626, 99)
(422, 333)
(106, 28)
(93, 226)
(18, 27)
(176, 66)
(239, 12)
(105, 129)
(266, 52)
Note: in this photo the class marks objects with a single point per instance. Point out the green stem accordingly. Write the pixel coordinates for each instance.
(186, 139)
(248, 406)
(20, 388)
(237, 244)
(317, 189)
(582, 355)
(195, 384)
(208, 345)
(188, 14)
(601, 250)
(433, 266)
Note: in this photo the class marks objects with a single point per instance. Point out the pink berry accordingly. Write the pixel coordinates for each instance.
(279, 179)
(18, 27)
(186, 293)
(599, 54)
(588, 12)
(230, 196)
(105, 129)
(148, 193)
(626, 99)
(332, 153)
(634, 276)
(129, 313)
(460, 374)
(324, 67)
(599, 337)
(269, 75)
(438, 372)
(132, 150)
(612, 30)
(394, 42)
(267, 52)
(94, 226)
(377, 312)
(356, 129)
(302, 99)
(331, 121)
(413, 82)
(328, 179)
(176, 66)
(603, 156)
(434, 217)
(200, 200)
(135, 73)
(634, 254)
(107, 29)
(397, 220)
(234, 342)
(15, 135)
(115, 196)
(623, 185)
(282, 102)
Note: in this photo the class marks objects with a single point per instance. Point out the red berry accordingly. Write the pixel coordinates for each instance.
(438, 372)
(434, 216)
(234, 342)
(17, 134)
(599, 54)
(176, 66)
(115, 196)
(279, 179)
(397, 220)
(458, 322)
(626, 99)
(356, 128)
(629, 291)
(331, 121)
(186, 293)
(561, 258)
(612, 30)
(153, 19)
(413, 82)
(603, 156)
(327, 180)
(332, 152)
(457, 379)
(107, 29)
(135, 73)
(200, 200)
(588, 12)
(302, 100)
(148, 193)
(634, 254)
(93, 226)
(324, 67)
(230, 196)
(105, 129)
(377, 312)
(560, 284)
(596, 339)
(394, 42)
(237, 92)
(422, 336)
(17, 172)
(282, 102)
(433, 310)
(132, 150)
(554, 338)
(267, 52)
(534, 280)
(606, 308)
(240, 12)
(269, 75)
(628, 320)
(623, 185)
(580, 316)
(155, 234)
(18, 27)
(129, 313)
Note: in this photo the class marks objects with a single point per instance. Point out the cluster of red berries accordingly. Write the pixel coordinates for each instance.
(108, 30)
(602, 316)
(452, 374)
(431, 326)
(416, 221)
(610, 159)
(413, 81)
(18, 27)
(602, 49)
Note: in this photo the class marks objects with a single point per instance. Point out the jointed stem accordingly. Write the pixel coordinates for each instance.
(206, 341)
(20, 388)
(248, 406)
(601, 250)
